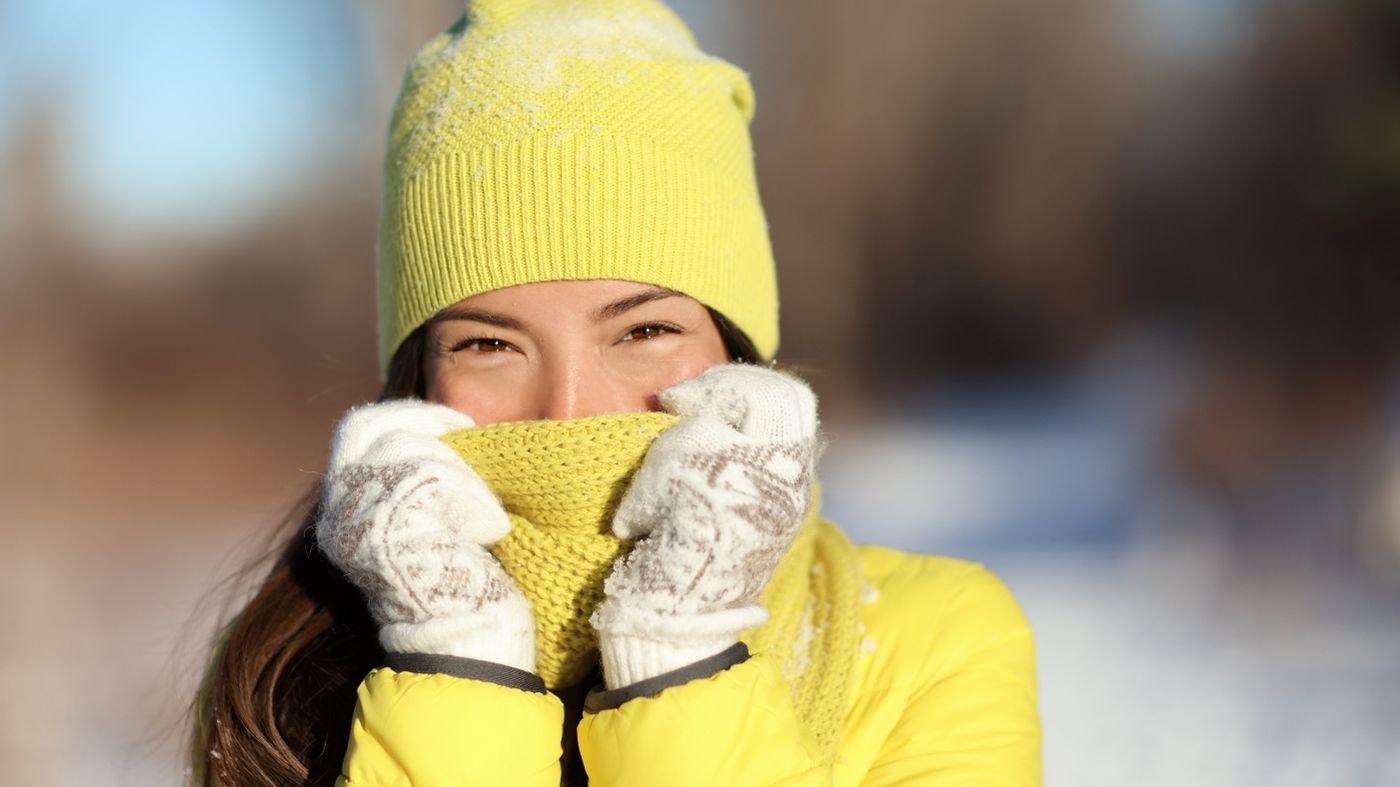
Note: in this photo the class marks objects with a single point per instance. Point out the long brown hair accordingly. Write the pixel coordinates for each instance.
(276, 703)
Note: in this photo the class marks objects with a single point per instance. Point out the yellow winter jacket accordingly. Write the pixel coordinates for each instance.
(943, 693)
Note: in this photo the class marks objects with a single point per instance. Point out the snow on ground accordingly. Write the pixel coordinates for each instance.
(1167, 655)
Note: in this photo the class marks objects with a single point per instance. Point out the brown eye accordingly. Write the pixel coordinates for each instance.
(482, 345)
(649, 331)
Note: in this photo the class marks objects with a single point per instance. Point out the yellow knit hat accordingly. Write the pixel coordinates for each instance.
(539, 140)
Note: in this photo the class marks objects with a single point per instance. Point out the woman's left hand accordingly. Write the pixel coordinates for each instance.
(719, 498)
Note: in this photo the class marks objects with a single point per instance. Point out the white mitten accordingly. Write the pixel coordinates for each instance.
(720, 498)
(409, 522)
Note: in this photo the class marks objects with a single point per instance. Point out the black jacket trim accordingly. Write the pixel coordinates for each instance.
(601, 700)
(471, 669)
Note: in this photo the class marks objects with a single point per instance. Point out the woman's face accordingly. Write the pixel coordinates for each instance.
(566, 349)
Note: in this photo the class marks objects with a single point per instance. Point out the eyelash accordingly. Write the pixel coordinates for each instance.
(468, 342)
(500, 345)
(663, 327)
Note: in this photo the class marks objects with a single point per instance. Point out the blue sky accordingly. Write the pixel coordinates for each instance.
(190, 116)
(1194, 28)
(181, 112)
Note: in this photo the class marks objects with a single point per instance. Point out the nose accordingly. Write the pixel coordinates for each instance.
(577, 387)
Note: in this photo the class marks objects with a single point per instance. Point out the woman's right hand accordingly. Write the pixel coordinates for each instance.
(409, 522)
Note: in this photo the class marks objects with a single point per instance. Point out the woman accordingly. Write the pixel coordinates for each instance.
(578, 539)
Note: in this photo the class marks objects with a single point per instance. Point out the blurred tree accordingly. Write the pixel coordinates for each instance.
(938, 176)
(1270, 222)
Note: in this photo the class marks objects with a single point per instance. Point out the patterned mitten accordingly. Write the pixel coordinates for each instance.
(720, 498)
(409, 522)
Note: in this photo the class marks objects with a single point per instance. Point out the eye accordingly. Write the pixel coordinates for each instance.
(650, 330)
(482, 344)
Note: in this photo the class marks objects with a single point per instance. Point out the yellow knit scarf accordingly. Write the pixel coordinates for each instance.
(560, 482)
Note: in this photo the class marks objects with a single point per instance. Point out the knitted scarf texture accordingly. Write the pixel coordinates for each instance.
(560, 481)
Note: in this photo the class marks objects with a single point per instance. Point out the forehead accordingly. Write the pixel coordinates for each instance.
(565, 297)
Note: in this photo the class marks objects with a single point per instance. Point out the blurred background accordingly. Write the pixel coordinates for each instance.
(1104, 294)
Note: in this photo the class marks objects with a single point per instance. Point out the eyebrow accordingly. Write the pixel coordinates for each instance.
(622, 305)
(604, 312)
(477, 315)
